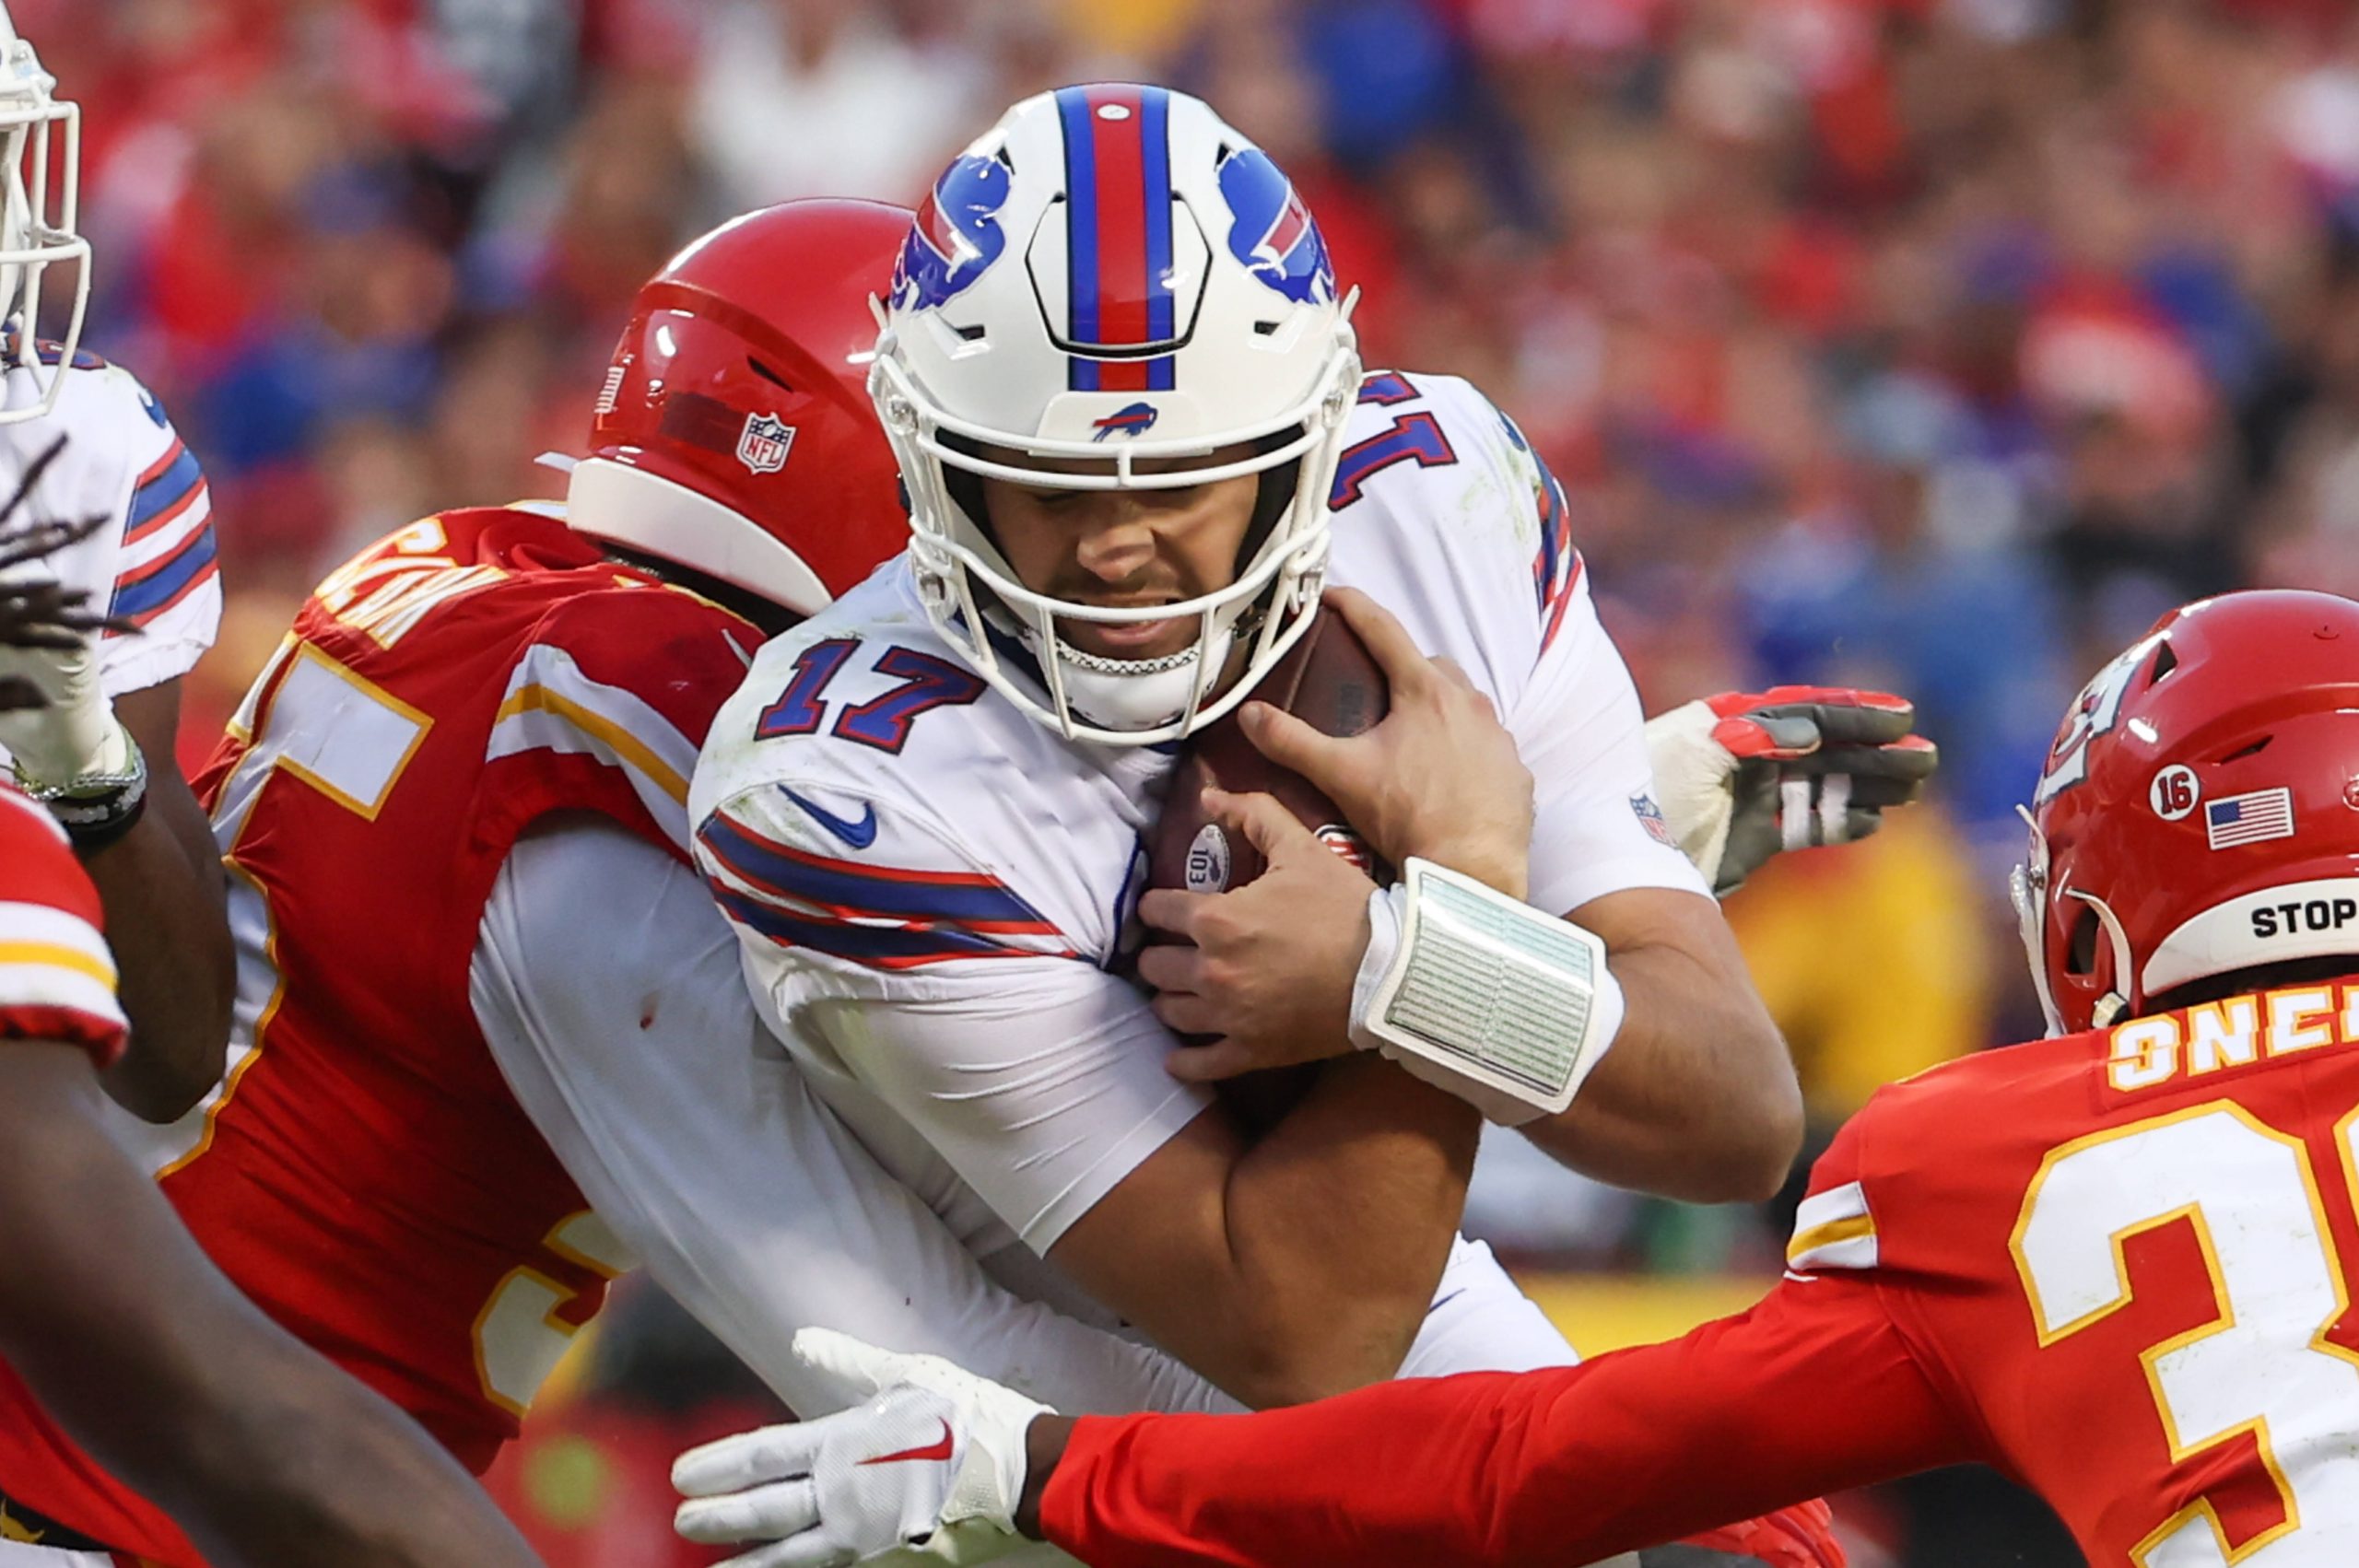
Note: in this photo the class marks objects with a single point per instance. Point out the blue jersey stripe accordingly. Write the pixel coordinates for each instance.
(887, 945)
(841, 884)
(162, 585)
(166, 490)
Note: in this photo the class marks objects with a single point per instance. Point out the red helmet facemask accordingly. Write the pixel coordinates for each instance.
(2199, 813)
(734, 435)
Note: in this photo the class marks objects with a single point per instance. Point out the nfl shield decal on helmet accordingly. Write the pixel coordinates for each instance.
(956, 236)
(1271, 233)
(763, 447)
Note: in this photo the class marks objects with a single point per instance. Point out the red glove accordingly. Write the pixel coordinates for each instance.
(1744, 775)
(1800, 1537)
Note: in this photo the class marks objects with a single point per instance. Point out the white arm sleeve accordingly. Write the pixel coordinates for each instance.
(623, 1024)
(1039, 1080)
(1580, 730)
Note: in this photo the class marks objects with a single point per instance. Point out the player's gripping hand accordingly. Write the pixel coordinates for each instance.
(929, 1470)
(1744, 775)
(1437, 776)
(1264, 971)
(1800, 1537)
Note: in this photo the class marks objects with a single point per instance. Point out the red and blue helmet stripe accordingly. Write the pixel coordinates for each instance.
(1118, 219)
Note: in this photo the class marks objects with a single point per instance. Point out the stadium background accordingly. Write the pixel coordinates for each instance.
(1931, 345)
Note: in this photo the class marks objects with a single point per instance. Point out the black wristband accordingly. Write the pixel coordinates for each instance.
(93, 822)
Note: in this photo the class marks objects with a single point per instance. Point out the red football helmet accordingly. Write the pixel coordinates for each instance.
(2199, 811)
(734, 434)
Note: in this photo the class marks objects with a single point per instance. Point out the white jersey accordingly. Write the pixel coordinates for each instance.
(152, 563)
(935, 907)
(606, 987)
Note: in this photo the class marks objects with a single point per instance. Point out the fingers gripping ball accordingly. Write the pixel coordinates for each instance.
(1332, 683)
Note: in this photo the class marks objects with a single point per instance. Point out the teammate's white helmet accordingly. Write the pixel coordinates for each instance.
(37, 220)
(1112, 273)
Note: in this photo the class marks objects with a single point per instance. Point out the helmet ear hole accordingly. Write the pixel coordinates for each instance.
(2081, 952)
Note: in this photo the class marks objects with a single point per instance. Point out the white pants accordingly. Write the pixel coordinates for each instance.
(16, 1554)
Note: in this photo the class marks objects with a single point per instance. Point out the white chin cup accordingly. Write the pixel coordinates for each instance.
(1132, 694)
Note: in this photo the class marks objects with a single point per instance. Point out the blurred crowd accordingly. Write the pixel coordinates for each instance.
(1930, 344)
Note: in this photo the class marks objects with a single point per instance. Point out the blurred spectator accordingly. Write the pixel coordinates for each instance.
(1872, 959)
(834, 98)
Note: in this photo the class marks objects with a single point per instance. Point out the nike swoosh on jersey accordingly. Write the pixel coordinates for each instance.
(936, 1450)
(859, 834)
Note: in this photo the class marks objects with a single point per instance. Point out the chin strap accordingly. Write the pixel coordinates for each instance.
(2115, 1003)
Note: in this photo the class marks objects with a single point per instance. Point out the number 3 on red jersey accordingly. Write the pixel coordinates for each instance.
(2263, 1366)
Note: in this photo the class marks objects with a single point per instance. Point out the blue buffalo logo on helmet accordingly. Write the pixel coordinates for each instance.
(1135, 419)
(956, 236)
(1271, 233)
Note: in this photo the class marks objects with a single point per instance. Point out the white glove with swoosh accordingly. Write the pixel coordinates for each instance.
(928, 1471)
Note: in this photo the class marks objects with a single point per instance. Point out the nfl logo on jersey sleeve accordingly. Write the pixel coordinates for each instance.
(763, 447)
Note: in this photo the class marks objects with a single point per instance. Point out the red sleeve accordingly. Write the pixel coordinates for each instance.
(1812, 1391)
(57, 979)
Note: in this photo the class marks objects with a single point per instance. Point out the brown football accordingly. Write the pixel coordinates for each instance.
(1330, 680)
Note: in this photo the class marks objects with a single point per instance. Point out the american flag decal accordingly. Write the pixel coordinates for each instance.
(2248, 819)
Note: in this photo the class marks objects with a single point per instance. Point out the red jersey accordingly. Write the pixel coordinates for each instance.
(2118, 1265)
(365, 1174)
(57, 979)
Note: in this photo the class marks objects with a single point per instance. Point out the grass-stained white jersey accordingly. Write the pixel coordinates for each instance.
(153, 563)
(935, 893)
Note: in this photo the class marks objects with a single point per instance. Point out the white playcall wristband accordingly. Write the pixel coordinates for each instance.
(1506, 1007)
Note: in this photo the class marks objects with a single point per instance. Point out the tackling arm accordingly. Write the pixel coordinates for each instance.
(639, 1057)
(1810, 1391)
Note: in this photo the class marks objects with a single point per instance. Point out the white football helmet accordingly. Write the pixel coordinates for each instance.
(1114, 274)
(37, 221)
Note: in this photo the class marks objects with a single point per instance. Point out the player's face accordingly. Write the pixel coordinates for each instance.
(1122, 548)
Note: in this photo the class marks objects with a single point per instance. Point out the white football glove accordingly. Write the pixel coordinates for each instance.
(929, 1470)
(73, 733)
(56, 721)
(1744, 775)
